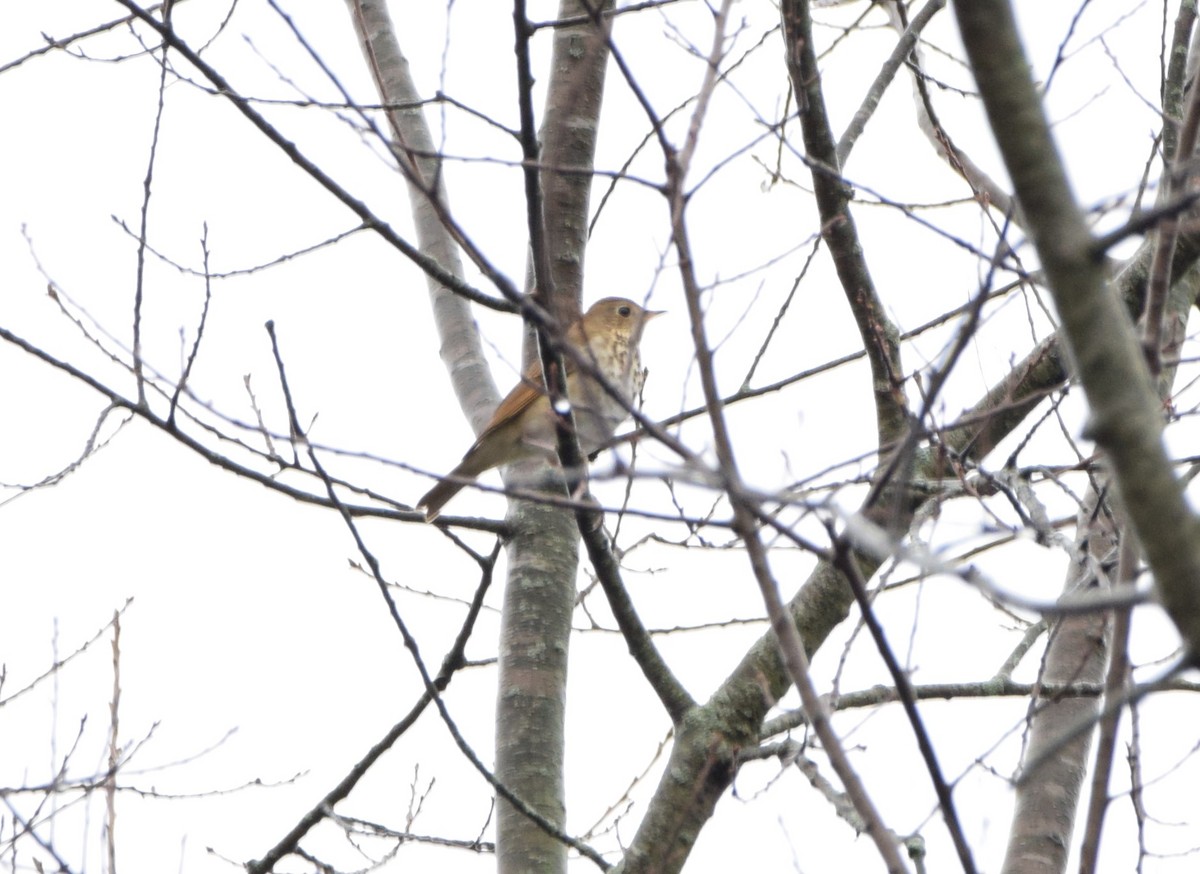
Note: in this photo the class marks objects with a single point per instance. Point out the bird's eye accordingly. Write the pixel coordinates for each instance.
(624, 311)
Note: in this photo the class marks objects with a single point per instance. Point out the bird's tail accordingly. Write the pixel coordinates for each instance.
(436, 498)
(473, 464)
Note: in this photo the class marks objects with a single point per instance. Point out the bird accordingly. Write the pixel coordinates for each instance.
(523, 426)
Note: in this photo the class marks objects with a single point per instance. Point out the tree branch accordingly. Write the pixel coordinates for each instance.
(879, 336)
(1126, 414)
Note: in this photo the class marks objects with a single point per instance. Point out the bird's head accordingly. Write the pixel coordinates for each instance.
(618, 316)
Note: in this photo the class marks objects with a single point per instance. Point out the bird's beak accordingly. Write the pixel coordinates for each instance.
(647, 315)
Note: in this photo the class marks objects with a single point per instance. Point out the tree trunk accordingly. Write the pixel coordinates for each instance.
(543, 555)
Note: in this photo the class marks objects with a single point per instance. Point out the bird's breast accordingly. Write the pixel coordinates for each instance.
(597, 412)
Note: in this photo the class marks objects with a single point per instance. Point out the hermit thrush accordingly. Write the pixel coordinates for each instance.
(523, 425)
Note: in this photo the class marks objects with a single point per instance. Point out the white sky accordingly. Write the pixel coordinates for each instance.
(247, 616)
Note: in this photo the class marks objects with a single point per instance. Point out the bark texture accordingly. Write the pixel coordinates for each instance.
(543, 554)
(416, 153)
(1126, 416)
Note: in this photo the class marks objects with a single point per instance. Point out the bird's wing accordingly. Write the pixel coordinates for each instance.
(524, 393)
(531, 387)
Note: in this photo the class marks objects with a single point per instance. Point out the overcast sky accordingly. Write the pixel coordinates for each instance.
(254, 648)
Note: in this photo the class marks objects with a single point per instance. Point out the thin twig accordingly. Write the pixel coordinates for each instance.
(430, 265)
(1116, 687)
(845, 562)
(746, 513)
(410, 641)
(451, 663)
(1159, 282)
(901, 53)
(114, 749)
(191, 359)
(144, 230)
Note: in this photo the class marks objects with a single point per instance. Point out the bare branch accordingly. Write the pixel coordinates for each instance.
(878, 334)
(1126, 417)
